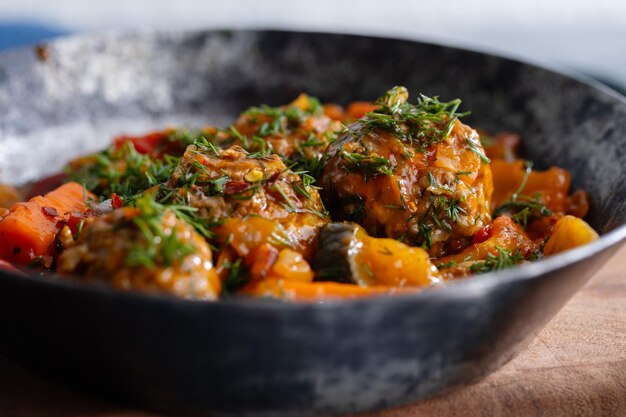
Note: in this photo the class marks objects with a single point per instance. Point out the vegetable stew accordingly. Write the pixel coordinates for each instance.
(305, 201)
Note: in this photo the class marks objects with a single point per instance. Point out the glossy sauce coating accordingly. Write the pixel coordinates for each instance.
(433, 191)
(225, 185)
(412, 197)
(104, 252)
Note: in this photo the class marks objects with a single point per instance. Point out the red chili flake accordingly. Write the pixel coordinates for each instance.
(116, 201)
(235, 187)
(147, 144)
(483, 234)
(49, 211)
(74, 221)
(273, 177)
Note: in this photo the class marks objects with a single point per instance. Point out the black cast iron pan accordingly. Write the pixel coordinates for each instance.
(267, 358)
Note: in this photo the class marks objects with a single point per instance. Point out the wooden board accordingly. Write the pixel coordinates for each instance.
(576, 366)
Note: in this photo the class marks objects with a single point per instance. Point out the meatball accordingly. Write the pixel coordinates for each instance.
(234, 184)
(298, 132)
(147, 249)
(412, 172)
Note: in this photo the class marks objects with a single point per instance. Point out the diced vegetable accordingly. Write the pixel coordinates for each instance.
(345, 253)
(29, 230)
(551, 185)
(248, 234)
(506, 239)
(357, 109)
(146, 144)
(569, 232)
(502, 146)
(312, 291)
(333, 111)
(291, 266)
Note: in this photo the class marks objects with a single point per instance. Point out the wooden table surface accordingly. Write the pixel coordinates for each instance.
(575, 367)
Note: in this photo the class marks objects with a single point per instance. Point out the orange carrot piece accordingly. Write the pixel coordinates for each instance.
(334, 111)
(503, 233)
(552, 184)
(312, 291)
(357, 109)
(504, 145)
(29, 230)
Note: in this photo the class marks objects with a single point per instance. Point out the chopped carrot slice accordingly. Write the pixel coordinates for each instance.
(29, 230)
(311, 291)
(357, 109)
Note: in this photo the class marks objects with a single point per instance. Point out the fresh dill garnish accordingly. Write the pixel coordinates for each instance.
(312, 166)
(474, 148)
(279, 237)
(123, 171)
(203, 143)
(370, 165)
(442, 213)
(288, 204)
(311, 141)
(520, 207)
(422, 124)
(504, 259)
(283, 119)
(300, 188)
(158, 247)
(237, 277)
(425, 230)
(448, 264)
(79, 229)
(365, 267)
(172, 200)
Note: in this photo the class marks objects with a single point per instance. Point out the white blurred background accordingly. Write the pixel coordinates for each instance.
(588, 36)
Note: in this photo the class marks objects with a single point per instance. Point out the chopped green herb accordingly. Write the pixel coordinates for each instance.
(288, 204)
(369, 165)
(448, 264)
(158, 247)
(123, 171)
(474, 148)
(238, 276)
(422, 124)
(522, 207)
(504, 259)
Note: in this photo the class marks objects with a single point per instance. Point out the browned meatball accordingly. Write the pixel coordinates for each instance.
(299, 131)
(411, 172)
(147, 249)
(233, 183)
